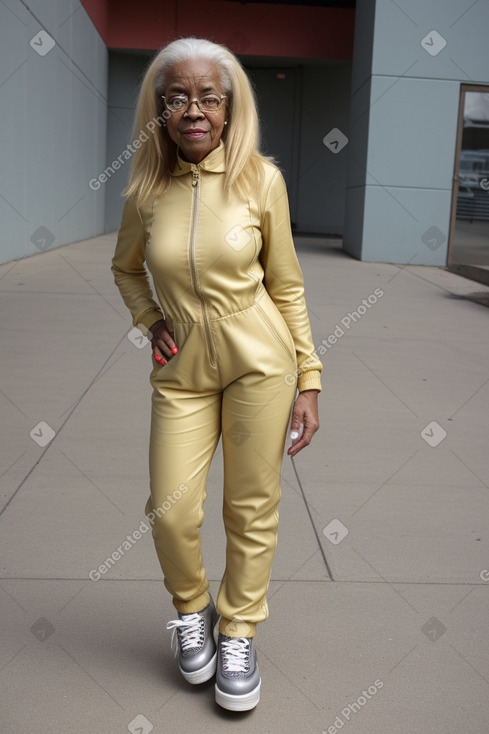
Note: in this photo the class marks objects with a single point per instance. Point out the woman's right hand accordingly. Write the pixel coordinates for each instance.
(164, 348)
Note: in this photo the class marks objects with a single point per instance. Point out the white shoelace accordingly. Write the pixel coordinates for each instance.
(191, 632)
(236, 655)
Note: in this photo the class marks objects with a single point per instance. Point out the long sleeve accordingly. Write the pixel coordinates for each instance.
(284, 281)
(129, 271)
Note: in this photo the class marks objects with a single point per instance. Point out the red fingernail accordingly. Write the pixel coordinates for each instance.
(174, 350)
(159, 359)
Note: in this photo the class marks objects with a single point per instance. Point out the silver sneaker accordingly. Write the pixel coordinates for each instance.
(237, 678)
(193, 640)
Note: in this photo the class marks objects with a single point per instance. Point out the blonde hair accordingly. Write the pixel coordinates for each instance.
(155, 159)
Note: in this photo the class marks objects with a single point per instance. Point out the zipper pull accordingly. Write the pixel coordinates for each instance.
(195, 178)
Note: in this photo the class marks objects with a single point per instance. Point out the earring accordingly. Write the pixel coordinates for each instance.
(225, 122)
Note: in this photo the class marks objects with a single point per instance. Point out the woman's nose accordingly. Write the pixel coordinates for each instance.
(193, 110)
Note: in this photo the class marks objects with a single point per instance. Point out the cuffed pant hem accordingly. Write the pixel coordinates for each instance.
(236, 628)
(192, 606)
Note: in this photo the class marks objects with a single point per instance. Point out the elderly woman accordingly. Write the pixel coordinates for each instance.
(231, 344)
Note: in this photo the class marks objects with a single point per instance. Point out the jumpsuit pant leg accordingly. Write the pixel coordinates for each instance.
(185, 430)
(255, 414)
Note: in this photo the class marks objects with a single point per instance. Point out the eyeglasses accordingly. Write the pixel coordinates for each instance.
(181, 102)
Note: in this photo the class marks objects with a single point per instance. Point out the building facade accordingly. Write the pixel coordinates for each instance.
(360, 104)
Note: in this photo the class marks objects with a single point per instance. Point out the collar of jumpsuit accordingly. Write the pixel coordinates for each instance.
(214, 161)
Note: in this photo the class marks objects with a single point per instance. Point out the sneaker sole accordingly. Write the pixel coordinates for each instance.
(244, 702)
(203, 674)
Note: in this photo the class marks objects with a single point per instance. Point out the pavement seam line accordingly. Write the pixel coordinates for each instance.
(325, 560)
(90, 385)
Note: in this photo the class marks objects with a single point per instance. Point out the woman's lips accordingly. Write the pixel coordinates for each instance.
(194, 134)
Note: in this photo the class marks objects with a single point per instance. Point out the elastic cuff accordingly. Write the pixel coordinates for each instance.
(195, 605)
(147, 319)
(236, 628)
(310, 380)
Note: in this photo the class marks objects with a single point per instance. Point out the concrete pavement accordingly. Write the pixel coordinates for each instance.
(379, 596)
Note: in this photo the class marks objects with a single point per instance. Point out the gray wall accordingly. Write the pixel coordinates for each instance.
(403, 126)
(296, 112)
(53, 125)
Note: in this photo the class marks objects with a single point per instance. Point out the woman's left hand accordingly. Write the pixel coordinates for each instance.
(305, 411)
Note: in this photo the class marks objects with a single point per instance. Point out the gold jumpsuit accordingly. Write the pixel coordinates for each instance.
(226, 272)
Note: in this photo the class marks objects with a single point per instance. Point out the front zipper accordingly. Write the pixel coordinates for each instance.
(194, 276)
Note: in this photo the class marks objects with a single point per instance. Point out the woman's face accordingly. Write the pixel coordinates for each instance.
(195, 132)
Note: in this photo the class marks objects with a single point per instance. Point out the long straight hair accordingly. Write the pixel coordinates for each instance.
(154, 160)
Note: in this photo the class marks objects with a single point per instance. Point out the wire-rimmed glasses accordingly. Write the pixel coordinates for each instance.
(207, 103)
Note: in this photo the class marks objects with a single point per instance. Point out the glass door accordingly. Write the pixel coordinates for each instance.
(469, 240)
